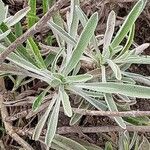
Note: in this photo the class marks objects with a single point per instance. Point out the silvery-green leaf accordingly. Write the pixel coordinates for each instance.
(109, 32)
(40, 125)
(130, 20)
(26, 65)
(141, 48)
(65, 101)
(115, 69)
(37, 102)
(18, 16)
(67, 143)
(54, 63)
(115, 50)
(3, 35)
(73, 19)
(83, 42)
(84, 19)
(36, 53)
(110, 87)
(129, 40)
(137, 77)
(134, 59)
(52, 123)
(62, 33)
(2, 11)
(112, 107)
(78, 78)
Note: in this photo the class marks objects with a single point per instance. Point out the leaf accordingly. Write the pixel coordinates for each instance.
(2, 11)
(54, 63)
(134, 59)
(52, 124)
(88, 146)
(141, 48)
(128, 23)
(31, 18)
(119, 88)
(18, 16)
(18, 29)
(37, 102)
(20, 49)
(84, 19)
(109, 32)
(74, 21)
(115, 69)
(36, 53)
(45, 6)
(137, 77)
(27, 65)
(85, 38)
(62, 33)
(108, 146)
(40, 125)
(112, 107)
(66, 103)
(129, 40)
(67, 143)
(3, 35)
(78, 78)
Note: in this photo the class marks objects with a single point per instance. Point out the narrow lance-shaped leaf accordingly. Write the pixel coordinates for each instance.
(42, 121)
(65, 101)
(115, 69)
(32, 13)
(129, 40)
(108, 146)
(84, 19)
(2, 11)
(67, 143)
(3, 35)
(62, 33)
(85, 38)
(141, 48)
(112, 107)
(79, 78)
(109, 32)
(52, 124)
(36, 53)
(74, 19)
(37, 102)
(135, 59)
(54, 64)
(18, 16)
(130, 20)
(110, 87)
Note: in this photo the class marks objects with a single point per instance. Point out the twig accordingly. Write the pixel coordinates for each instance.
(2, 147)
(8, 126)
(111, 113)
(29, 113)
(67, 130)
(33, 30)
